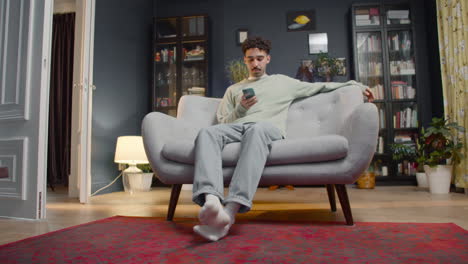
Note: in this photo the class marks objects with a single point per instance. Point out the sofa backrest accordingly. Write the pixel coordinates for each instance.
(325, 113)
(198, 110)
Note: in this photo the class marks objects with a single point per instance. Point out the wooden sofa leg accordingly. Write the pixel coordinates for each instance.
(344, 201)
(173, 202)
(331, 196)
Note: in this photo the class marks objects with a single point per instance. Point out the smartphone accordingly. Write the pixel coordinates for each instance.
(248, 92)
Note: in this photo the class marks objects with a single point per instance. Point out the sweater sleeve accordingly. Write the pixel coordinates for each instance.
(228, 110)
(303, 89)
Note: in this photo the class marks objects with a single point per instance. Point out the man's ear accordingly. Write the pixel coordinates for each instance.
(268, 58)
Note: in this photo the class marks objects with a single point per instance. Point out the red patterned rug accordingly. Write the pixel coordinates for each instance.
(153, 240)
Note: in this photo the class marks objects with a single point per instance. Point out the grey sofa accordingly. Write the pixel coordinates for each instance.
(331, 138)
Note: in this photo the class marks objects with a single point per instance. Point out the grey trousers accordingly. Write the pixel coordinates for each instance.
(255, 138)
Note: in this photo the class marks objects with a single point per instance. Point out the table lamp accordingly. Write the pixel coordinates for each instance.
(129, 150)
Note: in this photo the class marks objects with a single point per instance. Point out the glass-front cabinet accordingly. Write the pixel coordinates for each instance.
(384, 60)
(180, 63)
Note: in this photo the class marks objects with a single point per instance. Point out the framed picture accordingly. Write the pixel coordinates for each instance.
(241, 35)
(308, 64)
(341, 66)
(318, 43)
(300, 20)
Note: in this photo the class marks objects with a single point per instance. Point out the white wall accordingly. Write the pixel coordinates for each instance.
(64, 6)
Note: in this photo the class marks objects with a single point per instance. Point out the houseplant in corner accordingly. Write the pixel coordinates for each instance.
(414, 154)
(442, 151)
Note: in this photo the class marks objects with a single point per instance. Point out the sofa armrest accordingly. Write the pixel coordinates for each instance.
(361, 130)
(158, 128)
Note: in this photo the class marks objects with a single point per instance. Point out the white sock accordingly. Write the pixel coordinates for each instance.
(231, 209)
(214, 233)
(210, 232)
(212, 212)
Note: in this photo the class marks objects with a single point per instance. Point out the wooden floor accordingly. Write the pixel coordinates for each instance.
(383, 204)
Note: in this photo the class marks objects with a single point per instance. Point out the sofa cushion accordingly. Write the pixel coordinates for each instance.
(286, 151)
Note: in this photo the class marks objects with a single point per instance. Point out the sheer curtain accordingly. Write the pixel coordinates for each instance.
(452, 21)
(60, 100)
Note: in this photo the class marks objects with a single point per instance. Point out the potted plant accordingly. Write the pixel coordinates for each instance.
(237, 71)
(141, 181)
(326, 66)
(442, 151)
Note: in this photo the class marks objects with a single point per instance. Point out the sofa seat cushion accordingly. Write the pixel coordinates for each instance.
(286, 151)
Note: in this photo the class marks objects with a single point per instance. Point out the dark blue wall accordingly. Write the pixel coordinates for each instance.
(122, 75)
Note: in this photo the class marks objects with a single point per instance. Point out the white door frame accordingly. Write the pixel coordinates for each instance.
(80, 177)
(44, 109)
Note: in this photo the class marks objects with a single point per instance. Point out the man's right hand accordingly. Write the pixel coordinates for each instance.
(247, 103)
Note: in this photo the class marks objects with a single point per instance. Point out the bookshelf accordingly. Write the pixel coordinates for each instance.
(180, 60)
(384, 59)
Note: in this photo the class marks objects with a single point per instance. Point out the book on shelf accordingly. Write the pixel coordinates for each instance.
(401, 90)
(374, 43)
(367, 17)
(374, 11)
(381, 118)
(363, 22)
(402, 67)
(400, 41)
(362, 11)
(398, 14)
(406, 168)
(362, 17)
(407, 118)
(378, 91)
(403, 139)
(380, 145)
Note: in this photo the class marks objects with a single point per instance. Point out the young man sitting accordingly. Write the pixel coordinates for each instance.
(255, 121)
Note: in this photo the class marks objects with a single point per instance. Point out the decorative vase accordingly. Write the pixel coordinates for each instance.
(421, 178)
(439, 178)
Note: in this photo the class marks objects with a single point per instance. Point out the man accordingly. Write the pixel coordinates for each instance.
(255, 122)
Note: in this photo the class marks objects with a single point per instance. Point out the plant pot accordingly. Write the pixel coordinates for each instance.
(366, 181)
(421, 178)
(137, 182)
(439, 178)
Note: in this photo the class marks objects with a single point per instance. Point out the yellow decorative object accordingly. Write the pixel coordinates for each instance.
(452, 21)
(302, 20)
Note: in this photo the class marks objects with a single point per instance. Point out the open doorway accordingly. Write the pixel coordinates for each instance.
(60, 96)
(76, 153)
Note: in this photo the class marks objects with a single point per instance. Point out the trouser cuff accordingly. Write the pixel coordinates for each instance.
(199, 196)
(245, 205)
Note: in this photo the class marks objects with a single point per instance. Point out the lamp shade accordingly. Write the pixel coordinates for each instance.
(130, 150)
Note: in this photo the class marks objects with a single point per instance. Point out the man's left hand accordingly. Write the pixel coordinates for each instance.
(368, 93)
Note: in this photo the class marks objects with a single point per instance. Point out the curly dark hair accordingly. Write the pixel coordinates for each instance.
(256, 42)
